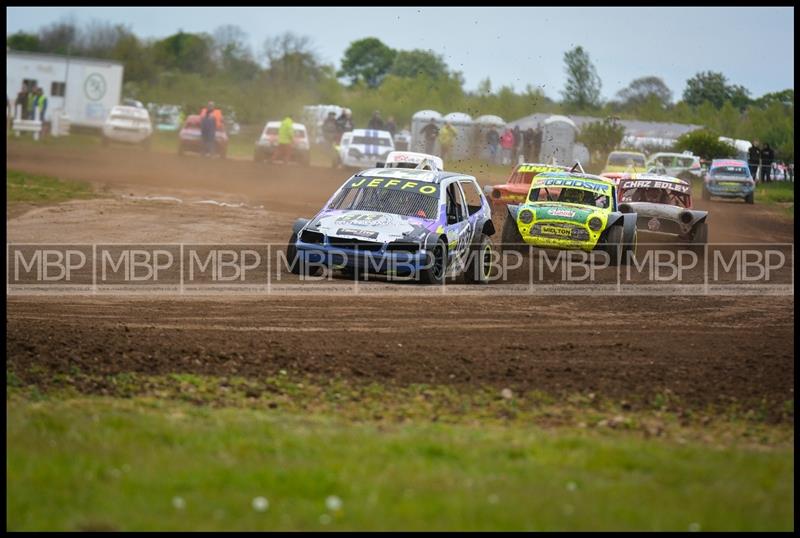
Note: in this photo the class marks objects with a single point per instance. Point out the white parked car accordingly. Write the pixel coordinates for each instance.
(675, 164)
(365, 148)
(128, 125)
(268, 143)
(411, 159)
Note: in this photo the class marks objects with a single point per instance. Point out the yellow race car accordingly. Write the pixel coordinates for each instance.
(572, 211)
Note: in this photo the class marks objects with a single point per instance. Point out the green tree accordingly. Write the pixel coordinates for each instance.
(24, 41)
(706, 144)
(712, 87)
(412, 63)
(582, 89)
(60, 37)
(190, 53)
(642, 90)
(601, 137)
(368, 60)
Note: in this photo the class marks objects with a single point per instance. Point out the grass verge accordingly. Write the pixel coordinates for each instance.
(24, 187)
(146, 464)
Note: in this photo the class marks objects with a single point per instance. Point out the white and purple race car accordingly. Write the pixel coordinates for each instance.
(425, 225)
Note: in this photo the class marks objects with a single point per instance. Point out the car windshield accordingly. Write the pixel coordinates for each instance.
(739, 171)
(371, 141)
(417, 199)
(625, 159)
(570, 195)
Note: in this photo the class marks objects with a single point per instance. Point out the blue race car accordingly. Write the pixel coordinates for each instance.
(729, 178)
(426, 224)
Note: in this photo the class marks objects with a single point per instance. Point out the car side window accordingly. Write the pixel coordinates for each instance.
(455, 204)
(472, 196)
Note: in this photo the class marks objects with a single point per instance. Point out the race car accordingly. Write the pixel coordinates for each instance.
(663, 205)
(190, 138)
(729, 178)
(571, 211)
(684, 165)
(516, 188)
(410, 159)
(268, 143)
(424, 224)
(625, 161)
(128, 125)
(364, 148)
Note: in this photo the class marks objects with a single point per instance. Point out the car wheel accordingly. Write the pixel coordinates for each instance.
(749, 199)
(297, 263)
(479, 268)
(612, 244)
(699, 237)
(436, 265)
(510, 238)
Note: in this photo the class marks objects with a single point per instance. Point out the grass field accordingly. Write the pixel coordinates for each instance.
(191, 452)
(24, 187)
(144, 463)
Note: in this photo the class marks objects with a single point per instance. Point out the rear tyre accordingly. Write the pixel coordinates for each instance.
(510, 238)
(480, 263)
(436, 266)
(749, 199)
(297, 263)
(699, 238)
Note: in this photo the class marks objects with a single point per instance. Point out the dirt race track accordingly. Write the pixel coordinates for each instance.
(707, 350)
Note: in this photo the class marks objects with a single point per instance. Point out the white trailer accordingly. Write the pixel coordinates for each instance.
(85, 89)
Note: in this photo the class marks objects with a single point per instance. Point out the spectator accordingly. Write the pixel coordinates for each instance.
(493, 141)
(216, 112)
(767, 157)
(285, 140)
(330, 132)
(344, 123)
(431, 133)
(447, 137)
(753, 159)
(31, 102)
(40, 107)
(507, 143)
(208, 131)
(21, 103)
(517, 144)
(376, 122)
(790, 172)
(391, 126)
(536, 147)
(527, 144)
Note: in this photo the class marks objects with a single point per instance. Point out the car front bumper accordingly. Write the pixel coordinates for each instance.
(730, 191)
(373, 261)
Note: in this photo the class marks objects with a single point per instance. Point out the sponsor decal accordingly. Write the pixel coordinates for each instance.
(364, 219)
(538, 168)
(420, 187)
(654, 184)
(653, 224)
(555, 230)
(358, 233)
(561, 213)
(575, 183)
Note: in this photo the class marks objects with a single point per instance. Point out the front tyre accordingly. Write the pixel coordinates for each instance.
(479, 268)
(749, 199)
(436, 265)
(297, 264)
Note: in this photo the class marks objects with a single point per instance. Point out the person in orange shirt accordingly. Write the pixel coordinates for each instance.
(215, 111)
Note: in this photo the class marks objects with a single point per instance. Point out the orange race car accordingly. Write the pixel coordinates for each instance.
(515, 190)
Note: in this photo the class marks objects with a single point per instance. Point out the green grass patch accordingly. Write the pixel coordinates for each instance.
(24, 187)
(779, 193)
(149, 464)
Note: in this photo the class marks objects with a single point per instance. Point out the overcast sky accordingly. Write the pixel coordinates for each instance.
(515, 46)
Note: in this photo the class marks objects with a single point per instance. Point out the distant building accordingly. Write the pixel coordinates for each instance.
(638, 134)
(85, 88)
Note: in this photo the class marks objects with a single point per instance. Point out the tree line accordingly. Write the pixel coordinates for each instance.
(188, 69)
